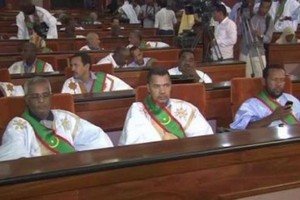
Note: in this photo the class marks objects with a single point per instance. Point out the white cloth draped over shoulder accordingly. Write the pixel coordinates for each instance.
(9, 89)
(44, 16)
(140, 127)
(19, 68)
(19, 138)
(110, 60)
(112, 83)
(253, 110)
(203, 76)
(128, 9)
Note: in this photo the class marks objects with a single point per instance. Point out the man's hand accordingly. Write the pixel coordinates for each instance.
(281, 112)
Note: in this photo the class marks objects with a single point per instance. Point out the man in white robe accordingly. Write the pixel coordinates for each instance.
(93, 42)
(285, 13)
(41, 131)
(160, 117)
(136, 39)
(138, 58)
(271, 106)
(119, 58)
(31, 15)
(128, 10)
(8, 89)
(85, 81)
(187, 69)
(30, 62)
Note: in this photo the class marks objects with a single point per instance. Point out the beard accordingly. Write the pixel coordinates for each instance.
(274, 93)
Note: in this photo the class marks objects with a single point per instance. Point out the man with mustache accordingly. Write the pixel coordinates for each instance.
(86, 81)
(41, 131)
(271, 106)
(160, 117)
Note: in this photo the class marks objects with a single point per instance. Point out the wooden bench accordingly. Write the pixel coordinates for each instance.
(221, 166)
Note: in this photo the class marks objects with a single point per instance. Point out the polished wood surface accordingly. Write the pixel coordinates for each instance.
(221, 166)
(283, 53)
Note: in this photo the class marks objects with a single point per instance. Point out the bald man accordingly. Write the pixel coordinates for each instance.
(93, 42)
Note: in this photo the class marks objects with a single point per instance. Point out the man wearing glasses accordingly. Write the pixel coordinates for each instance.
(41, 131)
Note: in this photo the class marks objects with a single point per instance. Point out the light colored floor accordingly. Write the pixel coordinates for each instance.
(292, 194)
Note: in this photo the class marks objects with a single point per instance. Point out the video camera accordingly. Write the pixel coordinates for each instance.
(203, 8)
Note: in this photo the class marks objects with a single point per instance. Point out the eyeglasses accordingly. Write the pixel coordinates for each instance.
(36, 96)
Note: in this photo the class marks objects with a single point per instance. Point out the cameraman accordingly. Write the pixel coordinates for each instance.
(253, 52)
(32, 16)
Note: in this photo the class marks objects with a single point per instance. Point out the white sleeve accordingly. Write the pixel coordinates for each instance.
(17, 140)
(90, 137)
(51, 22)
(156, 23)
(199, 126)
(120, 84)
(48, 67)
(22, 29)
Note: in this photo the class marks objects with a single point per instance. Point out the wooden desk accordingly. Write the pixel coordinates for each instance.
(283, 53)
(223, 166)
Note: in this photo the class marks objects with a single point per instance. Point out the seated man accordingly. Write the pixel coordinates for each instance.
(8, 89)
(85, 81)
(186, 68)
(271, 106)
(138, 58)
(161, 118)
(41, 131)
(288, 36)
(136, 39)
(30, 62)
(119, 58)
(93, 42)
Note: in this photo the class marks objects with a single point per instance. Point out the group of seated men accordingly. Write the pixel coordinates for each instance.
(42, 131)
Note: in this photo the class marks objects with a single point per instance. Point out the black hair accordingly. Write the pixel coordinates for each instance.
(183, 51)
(160, 71)
(220, 8)
(266, 70)
(85, 58)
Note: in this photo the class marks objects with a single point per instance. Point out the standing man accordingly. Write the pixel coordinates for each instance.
(225, 34)
(160, 117)
(165, 19)
(86, 81)
(41, 131)
(33, 18)
(285, 13)
(271, 106)
(127, 12)
(263, 27)
(148, 11)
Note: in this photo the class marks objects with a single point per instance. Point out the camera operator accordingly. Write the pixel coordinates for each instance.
(253, 52)
(31, 17)
(225, 34)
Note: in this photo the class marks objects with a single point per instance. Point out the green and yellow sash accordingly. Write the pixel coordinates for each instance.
(279, 11)
(99, 83)
(272, 105)
(39, 66)
(163, 118)
(48, 137)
